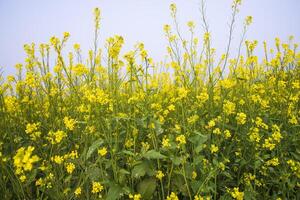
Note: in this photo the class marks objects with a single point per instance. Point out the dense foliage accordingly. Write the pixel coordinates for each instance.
(124, 127)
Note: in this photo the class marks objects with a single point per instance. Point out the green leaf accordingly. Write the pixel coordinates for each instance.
(124, 171)
(176, 160)
(129, 153)
(140, 170)
(67, 179)
(226, 197)
(249, 195)
(158, 128)
(123, 176)
(228, 175)
(198, 140)
(32, 176)
(94, 173)
(257, 163)
(114, 192)
(152, 154)
(147, 187)
(195, 185)
(296, 156)
(93, 147)
(188, 171)
(178, 181)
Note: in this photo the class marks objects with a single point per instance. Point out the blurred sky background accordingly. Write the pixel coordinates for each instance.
(136, 20)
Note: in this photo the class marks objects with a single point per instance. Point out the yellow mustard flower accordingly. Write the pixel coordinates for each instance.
(228, 107)
(172, 196)
(69, 123)
(236, 194)
(70, 167)
(194, 175)
(56, 137)
(241, 118)
(181, 140)
(193, 119)
(272, 162)
(57, 159)
(77, 191)
(214, 148)
(102, 152)
(166, 142)
(159, 174)
(211, 124)
(96, 187)
(227, 134)
(135, 196)
(24, 160)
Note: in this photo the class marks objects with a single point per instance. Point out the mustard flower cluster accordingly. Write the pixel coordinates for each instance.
(118, 125)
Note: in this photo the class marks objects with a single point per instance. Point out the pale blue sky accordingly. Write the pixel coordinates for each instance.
(136, 20)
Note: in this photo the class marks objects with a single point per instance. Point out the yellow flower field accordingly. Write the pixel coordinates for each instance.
(115, 126)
